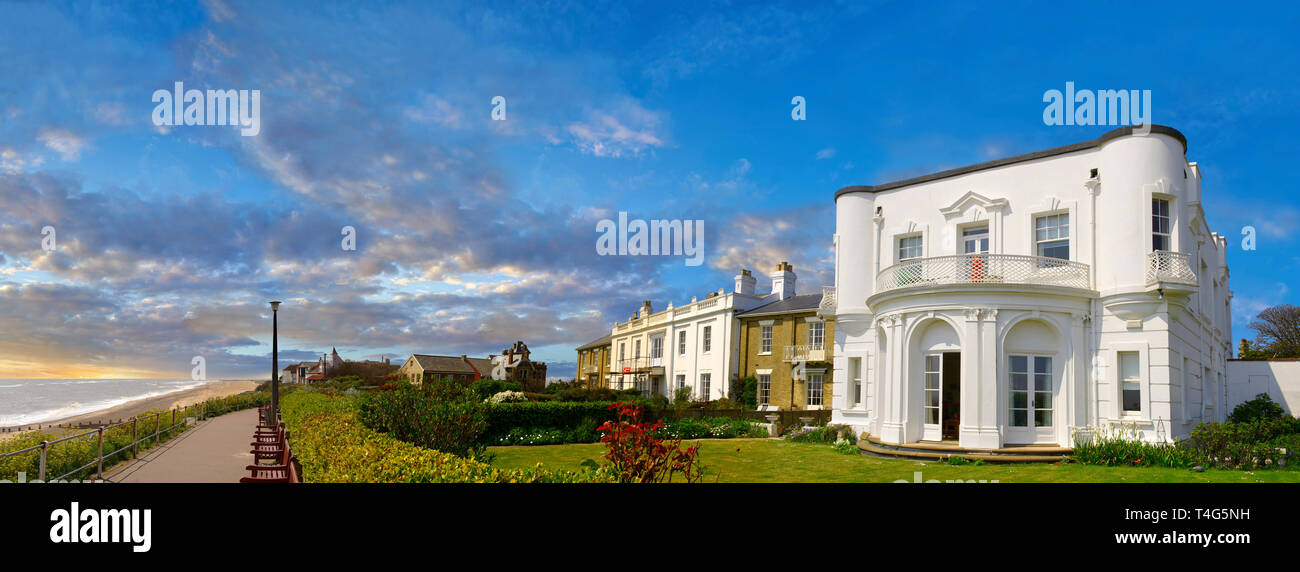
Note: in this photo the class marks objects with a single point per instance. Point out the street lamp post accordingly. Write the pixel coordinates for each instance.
(275, 363)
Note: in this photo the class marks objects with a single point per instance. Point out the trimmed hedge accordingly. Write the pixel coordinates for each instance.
(333, 446)
(420, 417)
(562, 415)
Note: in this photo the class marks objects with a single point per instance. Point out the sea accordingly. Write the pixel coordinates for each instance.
(31, 401)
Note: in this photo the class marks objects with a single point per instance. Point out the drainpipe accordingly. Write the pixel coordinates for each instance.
(1094, 336)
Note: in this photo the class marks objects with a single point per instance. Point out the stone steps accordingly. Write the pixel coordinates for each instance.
(942, 452)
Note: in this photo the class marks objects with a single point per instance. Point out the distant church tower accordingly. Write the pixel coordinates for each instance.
(335, 360)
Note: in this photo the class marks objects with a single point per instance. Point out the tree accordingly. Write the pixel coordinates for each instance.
(1250, 351)
(1279, 331)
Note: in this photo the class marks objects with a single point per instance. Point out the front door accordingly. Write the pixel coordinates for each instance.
(941, 402)
(1031, 389)
(950, 414)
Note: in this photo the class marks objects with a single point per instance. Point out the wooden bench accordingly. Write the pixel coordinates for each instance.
(281, 473)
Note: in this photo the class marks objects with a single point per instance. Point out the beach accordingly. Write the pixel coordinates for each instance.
(209, 390)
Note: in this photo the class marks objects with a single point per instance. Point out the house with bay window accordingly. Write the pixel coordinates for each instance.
(1021, 300)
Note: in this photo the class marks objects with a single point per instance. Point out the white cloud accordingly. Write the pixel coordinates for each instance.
(826, 153)
(111, 113)
(627, 130)
(434, 109)
(66, 143)
(12, 161)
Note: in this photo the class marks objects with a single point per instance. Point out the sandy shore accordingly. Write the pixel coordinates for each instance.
(210, 390)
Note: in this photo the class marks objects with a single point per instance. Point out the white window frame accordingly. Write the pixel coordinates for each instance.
(820, 388)
(1136, 380)
(765, 389)
(855, 382)
(1168, 217)
(706, 386)
(765, 337)
(820, 342)
(988, 237)
(1069, 232)
(937, 390)
(681, 343)
(706, 343)
(656, 347)
(899, 248)
(1030, 390)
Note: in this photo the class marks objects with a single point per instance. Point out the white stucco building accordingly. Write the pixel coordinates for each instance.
(1013, 301)
(693, 345)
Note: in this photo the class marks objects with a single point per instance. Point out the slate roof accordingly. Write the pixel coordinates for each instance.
(453, 364)
(1112, 134)
(793, 304)
(596, 343)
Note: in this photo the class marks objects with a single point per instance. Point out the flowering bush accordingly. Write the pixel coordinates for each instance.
(508, 397)
(826, 434)
(1257, 443)
(635, 455)
(1121, 445)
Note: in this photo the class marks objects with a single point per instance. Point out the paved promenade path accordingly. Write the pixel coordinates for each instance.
(215, 451)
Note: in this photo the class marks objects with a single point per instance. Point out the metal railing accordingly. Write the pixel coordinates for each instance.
(827, 305)
(629, 365)
(983, 269)
(1167, 266)
(805, 352)
(98, 433)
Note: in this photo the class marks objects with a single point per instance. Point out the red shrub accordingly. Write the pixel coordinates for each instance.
(635, 455)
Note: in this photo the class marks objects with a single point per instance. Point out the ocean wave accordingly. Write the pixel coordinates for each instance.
(76, 408)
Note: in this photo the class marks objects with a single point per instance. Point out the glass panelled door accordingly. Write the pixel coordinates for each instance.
(1029, 399)
(976, 242)
(931, 430)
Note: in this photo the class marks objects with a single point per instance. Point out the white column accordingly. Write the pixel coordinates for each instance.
(894, 412)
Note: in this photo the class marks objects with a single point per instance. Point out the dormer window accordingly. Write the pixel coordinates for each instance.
(1161, 225)
(1052, 236)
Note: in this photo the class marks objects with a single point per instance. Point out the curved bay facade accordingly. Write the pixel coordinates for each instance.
(1022, 300)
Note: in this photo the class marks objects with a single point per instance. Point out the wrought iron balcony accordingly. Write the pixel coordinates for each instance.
(983, 269)
(805, 352)
(1164, 266)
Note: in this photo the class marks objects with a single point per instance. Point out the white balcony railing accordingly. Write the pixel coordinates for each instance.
(827, 306)
(637, 364)
(805, 352)
(1166, 266)
(983, 269)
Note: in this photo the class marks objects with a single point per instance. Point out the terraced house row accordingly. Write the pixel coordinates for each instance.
(780, 338)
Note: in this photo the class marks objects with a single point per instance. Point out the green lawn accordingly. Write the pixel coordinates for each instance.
(778, 461)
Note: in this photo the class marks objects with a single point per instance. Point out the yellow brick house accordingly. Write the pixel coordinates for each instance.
(593, 363)
(786, 345)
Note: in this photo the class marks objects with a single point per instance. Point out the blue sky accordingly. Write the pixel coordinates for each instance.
(473, 233)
